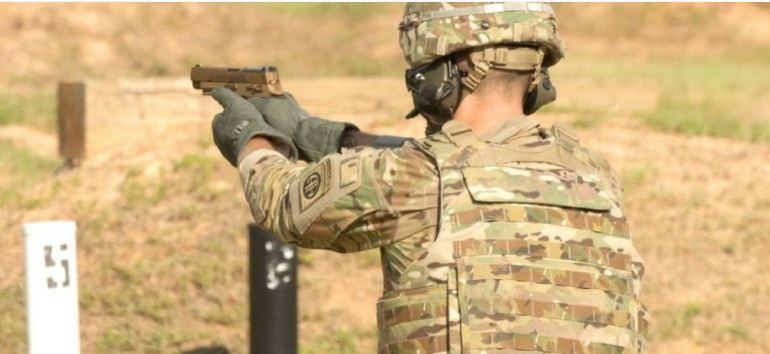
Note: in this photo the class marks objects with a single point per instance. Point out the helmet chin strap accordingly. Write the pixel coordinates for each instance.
(536, 75)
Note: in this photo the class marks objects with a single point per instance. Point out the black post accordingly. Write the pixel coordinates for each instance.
(273, 294)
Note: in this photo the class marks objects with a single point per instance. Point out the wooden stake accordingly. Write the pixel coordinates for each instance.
(72, 122)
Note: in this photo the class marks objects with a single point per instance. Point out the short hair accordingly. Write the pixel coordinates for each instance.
(510, 82)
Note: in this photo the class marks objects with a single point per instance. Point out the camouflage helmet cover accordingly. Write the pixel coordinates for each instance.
(431, 30)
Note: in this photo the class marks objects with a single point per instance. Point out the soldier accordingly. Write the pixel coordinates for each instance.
(497, 235)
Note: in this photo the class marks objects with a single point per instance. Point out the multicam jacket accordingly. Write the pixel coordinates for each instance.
(509, 242)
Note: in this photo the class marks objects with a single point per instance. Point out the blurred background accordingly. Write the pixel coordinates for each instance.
(675, 96)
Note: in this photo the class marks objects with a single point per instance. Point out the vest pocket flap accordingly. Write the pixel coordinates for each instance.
(557, 187)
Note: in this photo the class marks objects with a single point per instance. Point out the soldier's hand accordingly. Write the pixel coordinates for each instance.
(238, 123)
(281, 112)
(314, 137)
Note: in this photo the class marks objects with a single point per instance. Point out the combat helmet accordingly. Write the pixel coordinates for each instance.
(518, 36)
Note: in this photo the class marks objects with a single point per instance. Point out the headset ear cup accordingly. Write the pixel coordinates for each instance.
(543, 94)
(436, 91)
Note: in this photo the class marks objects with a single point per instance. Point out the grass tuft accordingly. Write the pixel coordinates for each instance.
(21, 168)
(737, 331)
(636, 176)
(713, 97)
(36, 110)
(139, 193)
(342, 341)
(707, 118)
(679, 321)
(196, 171)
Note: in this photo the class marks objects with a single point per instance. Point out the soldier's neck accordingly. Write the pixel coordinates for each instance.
(484, 112)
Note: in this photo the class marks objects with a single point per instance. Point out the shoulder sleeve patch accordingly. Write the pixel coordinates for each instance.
(315, 184)
(320, 185)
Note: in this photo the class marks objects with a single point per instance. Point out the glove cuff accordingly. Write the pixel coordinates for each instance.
(318, 137)
(389, 142)
(255, 129)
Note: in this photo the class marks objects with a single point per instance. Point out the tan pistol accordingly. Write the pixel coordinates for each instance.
(245, 82)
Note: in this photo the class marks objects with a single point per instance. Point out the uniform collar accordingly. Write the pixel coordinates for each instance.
(508, 129)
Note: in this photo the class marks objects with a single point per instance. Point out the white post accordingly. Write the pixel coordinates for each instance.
(52, 287)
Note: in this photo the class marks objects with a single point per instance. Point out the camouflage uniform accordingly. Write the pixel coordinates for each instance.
(509, 242)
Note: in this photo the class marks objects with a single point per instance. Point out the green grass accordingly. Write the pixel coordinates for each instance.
(737, 331)
(12, 319)
(705, 96)
(305, 257)
(635, 177)
(713, 97)
(139, 193)
(22, 161)
(160, 339)
(226, 315)
(195, 172)
(200, 166)
(190, 175)
(93, 219)
(706, 117)
(123, 337)
(37, 110)
(340, 341)
(20, 169)
(119, 338)
(678, 321)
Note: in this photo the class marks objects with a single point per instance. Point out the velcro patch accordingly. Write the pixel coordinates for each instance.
(348, 171)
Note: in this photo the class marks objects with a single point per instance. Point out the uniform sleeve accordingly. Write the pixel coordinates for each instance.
(361, 199)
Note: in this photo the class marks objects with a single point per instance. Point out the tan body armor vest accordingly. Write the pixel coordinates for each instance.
(532, 255)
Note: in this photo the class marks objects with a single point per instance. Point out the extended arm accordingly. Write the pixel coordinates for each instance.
(346, 202)
(350, 138)
(360, 199)
(316, 137)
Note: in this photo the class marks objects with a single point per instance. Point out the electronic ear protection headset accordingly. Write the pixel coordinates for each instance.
(436, 91)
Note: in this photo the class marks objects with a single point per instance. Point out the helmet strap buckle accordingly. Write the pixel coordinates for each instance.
(473, 79)
(536, 75)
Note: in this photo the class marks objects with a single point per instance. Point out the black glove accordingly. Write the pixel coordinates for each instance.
(314, 137)
(238, 123)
